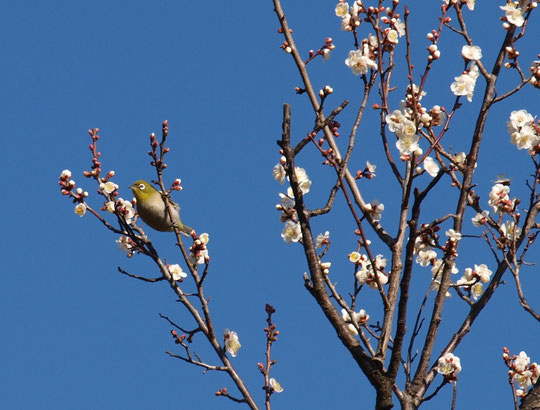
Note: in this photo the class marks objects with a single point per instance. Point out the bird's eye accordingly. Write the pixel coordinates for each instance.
(142, 187)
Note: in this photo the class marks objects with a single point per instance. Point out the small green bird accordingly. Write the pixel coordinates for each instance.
(152, 210)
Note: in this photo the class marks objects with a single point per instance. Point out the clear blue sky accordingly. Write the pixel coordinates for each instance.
(77, 334)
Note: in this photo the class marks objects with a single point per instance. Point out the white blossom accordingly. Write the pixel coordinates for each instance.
(400, 27)
(124, 244)
(453, 235)
(407, 144)
(279, 173)
(204, 238)
(291, 232)
(464, 85)
(471, 52)
(80, 209)
(476, 290)
(499, 199)
(431, 167)
(232, 344)
(322, 239)
(359, 62)
(355, 257)
(176, 272)
(200, 257)
(425, 256)
(392, 36)
(522, 361)
(448, 364)
(274, 384)
(510, 231)
(514, 14)
(108, 187)
(375, 209)
(480, 218)
(342, 9)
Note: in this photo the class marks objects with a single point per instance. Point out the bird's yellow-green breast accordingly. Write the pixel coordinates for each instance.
(152, 209)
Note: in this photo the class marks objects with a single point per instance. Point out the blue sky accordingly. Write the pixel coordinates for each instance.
(76, 333)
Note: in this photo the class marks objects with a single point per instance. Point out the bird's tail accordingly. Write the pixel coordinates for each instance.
(186, 230)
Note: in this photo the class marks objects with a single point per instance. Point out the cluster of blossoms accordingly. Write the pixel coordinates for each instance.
(535, 71)
(350, 19)
(198, 253)
(499, 199)
(364, 271)
(424, 246)
(123, 207)
(126, 245)
(358, 319)
(402, 122)
(522, 371)
(350, 15)
(291, 232)
(449, 366)
(466, 82)
(232, 343)
(67, 185)
(360, 61)
(472, 279)
(524, 131)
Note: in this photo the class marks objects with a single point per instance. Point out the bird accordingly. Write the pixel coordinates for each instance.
(152, 210)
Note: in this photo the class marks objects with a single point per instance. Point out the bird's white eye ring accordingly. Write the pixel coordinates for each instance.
(142, 187)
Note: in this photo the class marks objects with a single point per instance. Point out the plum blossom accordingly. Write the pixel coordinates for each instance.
(274, 384)
(304, 183)
(375, 209)
(365, 272)
(322, 239)
(525, 373)
(408, 144)
(521, 130)
(448, 365)
(291, 232)
(400, 26)
(355, 257)
(514, 13)
(279, 173)
(358, 319)
(425, 256)
(177, 273)
(431, 167)
(80, 209)
(477, 290)
(359, 61)
(480, 218)
(465, 83)
(232, 343)
(124, 244)
(510, 231)
(342, 9)
(453, 235)
(499, 199)
(471, 52)
(108, 187)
